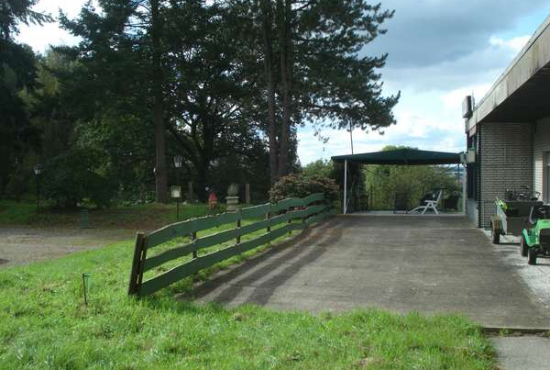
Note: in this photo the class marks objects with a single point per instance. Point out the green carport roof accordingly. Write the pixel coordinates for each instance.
(407, 157)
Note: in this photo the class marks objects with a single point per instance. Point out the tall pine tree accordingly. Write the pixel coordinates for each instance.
(315, 68)
(124, 59)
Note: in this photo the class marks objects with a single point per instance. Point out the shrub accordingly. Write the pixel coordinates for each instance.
(74, 176)
(319, 168)
(17, 186)
(300, 186)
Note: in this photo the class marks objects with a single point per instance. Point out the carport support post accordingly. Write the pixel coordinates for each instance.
(464, 185)
(345, 187)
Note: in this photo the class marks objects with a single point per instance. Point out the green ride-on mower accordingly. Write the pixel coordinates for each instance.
(535, 238)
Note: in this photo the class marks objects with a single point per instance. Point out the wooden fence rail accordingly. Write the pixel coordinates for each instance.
(309, 210)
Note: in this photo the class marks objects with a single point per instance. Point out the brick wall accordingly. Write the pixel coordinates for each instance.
(506, 151)
(541, 144)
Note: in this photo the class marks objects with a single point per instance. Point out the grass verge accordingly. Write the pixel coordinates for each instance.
(146, 216)
(44, 324)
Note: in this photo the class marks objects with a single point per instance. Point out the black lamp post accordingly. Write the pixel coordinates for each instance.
(176, 192)
(38, 172)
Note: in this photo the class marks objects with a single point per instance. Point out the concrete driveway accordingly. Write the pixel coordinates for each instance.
(429, 264)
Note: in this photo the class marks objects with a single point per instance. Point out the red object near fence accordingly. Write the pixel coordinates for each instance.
(212, 200)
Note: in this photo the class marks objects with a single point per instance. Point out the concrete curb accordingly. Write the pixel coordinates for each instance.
(515, 332)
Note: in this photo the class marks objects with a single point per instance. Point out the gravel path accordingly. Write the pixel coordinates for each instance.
(20, 245)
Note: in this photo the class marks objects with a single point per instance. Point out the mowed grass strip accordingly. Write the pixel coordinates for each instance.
(44, 324)
(149, 216)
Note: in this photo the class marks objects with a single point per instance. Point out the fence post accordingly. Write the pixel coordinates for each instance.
(289, 220)
(238, 227)
(136, 275)
(267, 217)
(193, 238)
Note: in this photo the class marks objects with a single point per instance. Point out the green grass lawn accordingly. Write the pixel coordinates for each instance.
(148, 216)
(44, 324)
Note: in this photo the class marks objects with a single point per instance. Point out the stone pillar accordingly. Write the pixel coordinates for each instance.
(232, 203)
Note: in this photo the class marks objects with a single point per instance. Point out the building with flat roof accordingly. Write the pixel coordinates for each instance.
(508, 131)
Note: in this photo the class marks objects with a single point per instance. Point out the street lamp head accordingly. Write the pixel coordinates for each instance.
(38, 169)
(178, 160)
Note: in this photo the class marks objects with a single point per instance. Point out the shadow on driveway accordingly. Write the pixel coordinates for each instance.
(427, 264)
(260, 277)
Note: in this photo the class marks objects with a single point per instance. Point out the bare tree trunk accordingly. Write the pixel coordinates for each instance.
(161, 180)
(270, 86)
(284, 13)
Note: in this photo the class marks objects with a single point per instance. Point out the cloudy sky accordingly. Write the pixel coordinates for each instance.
(439, 51)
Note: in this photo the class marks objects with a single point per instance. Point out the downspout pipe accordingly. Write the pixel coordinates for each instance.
(345, 208)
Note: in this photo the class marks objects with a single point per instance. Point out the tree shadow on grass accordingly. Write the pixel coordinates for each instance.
(292, 257)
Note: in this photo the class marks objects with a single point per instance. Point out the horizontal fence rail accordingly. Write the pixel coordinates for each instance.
(307, 211)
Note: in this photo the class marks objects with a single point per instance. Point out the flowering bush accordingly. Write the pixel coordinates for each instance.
(300, 186)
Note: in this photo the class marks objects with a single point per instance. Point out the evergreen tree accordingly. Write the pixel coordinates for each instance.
(123, 57)
(17, 72)
(315, 69)
(206, 87)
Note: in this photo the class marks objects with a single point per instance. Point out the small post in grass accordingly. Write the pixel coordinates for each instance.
(85, 278)
(38, 172)
(84, 218)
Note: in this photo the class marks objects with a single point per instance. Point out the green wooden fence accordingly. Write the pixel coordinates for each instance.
(294, 213)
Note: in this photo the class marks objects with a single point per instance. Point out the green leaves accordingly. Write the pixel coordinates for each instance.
(300, 186)
(73, 176)
(13, 12)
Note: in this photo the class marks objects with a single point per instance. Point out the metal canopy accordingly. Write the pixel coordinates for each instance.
(406, 157)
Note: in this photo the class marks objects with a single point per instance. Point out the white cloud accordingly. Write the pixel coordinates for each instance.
(429, 114)
(50, 34)
(429, 32)
(40, 38)
(452, 100)
(515, 44)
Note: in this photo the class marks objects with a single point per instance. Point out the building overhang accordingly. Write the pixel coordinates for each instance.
(521, 93)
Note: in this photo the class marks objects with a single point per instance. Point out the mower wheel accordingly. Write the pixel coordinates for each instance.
(523, 247)
(532, 256)
(495, 233)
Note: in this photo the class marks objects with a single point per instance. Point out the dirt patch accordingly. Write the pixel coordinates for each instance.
(20, 246)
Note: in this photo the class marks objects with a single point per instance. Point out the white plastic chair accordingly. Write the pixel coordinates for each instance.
(430, 204)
